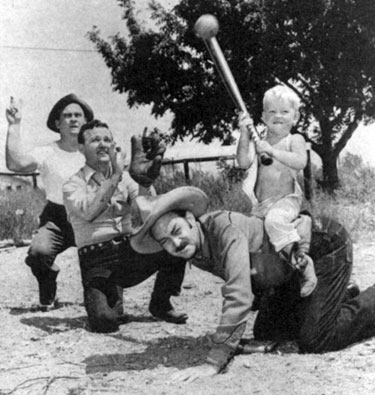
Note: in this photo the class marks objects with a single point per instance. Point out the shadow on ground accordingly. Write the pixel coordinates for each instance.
(19, 310)
(54, 324)
(169, 352)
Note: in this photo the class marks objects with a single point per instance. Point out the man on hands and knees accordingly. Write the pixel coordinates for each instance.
(98, 201)
(232, 246)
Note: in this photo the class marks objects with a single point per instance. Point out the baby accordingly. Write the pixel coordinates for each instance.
(273, 189)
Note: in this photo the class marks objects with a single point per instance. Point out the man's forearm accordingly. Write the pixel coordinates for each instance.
(16, 157)
(102, 197)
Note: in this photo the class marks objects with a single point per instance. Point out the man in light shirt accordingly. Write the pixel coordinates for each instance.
(98, 201)
(56, 162)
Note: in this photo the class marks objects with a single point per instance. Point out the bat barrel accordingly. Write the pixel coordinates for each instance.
(225, 72)
(230, 83)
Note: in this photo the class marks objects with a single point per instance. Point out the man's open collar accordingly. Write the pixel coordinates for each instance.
(88, 172)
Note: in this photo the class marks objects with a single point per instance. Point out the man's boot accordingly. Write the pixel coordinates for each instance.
(161, 307)
(47, 290)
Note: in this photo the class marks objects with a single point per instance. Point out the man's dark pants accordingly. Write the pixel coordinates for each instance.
(55, 235)
(324, 321)
(109, 267)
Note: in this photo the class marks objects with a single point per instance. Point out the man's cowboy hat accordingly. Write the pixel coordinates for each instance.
(61, 104)
(148, 209)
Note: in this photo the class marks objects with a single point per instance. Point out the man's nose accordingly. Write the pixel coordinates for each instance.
(176, 242)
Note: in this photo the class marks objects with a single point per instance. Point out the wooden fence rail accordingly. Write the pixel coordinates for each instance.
(185, 162)
(32, 175)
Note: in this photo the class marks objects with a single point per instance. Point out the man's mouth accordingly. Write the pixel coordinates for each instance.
(182, 247)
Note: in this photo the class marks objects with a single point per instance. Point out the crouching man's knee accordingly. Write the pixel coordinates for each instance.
(101, 317)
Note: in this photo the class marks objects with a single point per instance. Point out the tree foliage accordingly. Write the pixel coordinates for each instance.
(325, 49)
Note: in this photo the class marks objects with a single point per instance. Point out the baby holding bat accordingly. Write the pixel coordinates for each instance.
(273, 189)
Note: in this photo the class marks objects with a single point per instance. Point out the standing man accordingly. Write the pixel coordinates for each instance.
(220, 243)
(98, 202)
(56, 162)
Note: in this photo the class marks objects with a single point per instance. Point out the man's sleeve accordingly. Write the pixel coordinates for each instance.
(237, 295)
(134, 189)
(81, 201)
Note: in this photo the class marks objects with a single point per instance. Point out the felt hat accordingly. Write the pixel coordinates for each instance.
(148, 209)
(61, 104)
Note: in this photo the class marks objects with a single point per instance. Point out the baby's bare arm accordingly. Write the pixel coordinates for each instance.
(245, 148)
(295, 159)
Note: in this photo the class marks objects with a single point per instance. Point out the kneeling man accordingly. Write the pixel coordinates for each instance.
(98, 200)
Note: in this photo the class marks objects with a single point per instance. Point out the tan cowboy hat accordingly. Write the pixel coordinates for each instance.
(61, 104)
(148, 209)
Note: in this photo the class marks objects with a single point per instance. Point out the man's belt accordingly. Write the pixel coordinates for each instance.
(102, 246)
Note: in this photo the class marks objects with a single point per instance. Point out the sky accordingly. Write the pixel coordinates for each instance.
(45, 55)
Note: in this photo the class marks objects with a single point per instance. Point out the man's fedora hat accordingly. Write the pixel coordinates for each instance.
(61, 104)
(148, 209)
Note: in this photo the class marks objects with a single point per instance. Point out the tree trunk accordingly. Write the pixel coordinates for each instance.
(330, 174)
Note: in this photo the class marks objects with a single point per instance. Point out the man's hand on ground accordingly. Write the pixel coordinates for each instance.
(147, 155)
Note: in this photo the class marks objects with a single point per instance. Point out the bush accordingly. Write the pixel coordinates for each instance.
(19, 213)
(222, 191)
(353, 204)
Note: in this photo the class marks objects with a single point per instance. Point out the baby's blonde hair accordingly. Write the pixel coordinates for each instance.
(282, 92)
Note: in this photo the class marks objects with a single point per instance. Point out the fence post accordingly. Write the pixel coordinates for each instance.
(35, 182)
(186, 170)
(307, 173)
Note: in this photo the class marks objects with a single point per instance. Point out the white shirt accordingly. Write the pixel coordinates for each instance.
(56, 167)
(115, 220)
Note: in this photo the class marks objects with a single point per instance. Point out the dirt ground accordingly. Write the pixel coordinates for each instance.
(54, 353)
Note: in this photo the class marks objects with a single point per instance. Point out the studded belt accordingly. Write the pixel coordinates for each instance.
(102, 246)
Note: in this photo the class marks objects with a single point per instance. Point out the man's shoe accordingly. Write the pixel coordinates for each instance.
(170, 316)
(352, 291)
(48, 307)
(47, 288)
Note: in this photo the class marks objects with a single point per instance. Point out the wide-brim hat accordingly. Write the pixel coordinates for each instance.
(61, 104)
(148, 209)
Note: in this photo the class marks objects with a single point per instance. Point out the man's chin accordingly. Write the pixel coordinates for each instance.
(187, 253)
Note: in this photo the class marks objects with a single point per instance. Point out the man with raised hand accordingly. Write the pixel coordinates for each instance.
(98, 201)
(56, 163)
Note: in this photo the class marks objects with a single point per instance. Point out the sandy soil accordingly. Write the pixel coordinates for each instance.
(54, 353)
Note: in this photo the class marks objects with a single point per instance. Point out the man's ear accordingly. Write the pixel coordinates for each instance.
(189, 216)
(57, 124)
(81, 148)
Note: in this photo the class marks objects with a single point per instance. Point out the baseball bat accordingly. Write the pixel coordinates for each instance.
(226, 75)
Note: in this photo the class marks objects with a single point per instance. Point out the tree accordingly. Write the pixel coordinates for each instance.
(324, 49)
